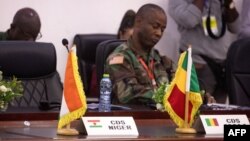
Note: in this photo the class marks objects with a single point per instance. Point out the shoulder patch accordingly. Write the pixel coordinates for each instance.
(116, 60)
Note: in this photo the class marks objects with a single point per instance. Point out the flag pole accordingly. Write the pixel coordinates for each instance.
(67, 131)
(72, 86)
(186, 128)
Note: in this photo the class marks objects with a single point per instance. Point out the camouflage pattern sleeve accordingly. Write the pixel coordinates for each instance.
(128, 87)
(3, 36)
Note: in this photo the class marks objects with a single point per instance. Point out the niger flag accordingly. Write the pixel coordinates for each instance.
(174, 98)
(74, 100)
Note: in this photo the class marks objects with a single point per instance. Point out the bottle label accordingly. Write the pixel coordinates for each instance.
(106, 87)
(105, 93)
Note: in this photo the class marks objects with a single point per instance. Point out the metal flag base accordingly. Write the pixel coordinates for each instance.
(67, 132)
(186, 130)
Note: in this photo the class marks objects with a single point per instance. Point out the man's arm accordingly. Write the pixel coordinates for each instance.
(125, 81)
(245, 20)
(186, 14)
(232, 16)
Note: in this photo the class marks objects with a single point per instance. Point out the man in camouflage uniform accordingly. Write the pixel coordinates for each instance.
(136, 69)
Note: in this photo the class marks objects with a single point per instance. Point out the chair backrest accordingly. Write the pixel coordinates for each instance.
(238, 72)
(102, 53)
(34, 63)
(86, 45)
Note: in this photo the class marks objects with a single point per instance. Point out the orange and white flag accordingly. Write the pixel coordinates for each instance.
(74, 103)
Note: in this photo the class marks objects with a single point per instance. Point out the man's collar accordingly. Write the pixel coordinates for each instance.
(138, 54)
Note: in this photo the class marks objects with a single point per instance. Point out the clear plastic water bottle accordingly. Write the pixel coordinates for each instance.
(105, 94)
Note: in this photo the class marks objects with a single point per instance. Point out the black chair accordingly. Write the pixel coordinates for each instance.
(102, 52)
(34, 64)
(238, 72)
(86, 45)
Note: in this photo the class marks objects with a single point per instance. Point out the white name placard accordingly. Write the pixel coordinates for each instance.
(214, 124)
(110, 126)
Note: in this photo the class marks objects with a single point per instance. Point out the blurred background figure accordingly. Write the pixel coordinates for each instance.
(26, 25)
(126, 27)
(203, 24)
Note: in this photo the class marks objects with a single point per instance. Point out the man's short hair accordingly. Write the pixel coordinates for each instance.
(148, 8)
(28, 20)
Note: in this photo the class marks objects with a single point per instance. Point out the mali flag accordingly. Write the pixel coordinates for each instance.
(174, 98)
(74, 100)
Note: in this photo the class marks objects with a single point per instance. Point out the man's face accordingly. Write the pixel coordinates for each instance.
(151, 29)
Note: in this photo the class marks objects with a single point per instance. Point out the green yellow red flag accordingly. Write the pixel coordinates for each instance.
(174, 98)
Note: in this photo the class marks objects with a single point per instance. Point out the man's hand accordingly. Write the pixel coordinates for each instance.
(209, 98)
(231, 13)
(199, 4)
(228, 3)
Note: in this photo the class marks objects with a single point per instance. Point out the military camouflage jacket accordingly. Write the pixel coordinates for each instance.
(3, 36)
(131, 81)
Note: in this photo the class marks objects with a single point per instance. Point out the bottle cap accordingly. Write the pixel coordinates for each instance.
(105, 75)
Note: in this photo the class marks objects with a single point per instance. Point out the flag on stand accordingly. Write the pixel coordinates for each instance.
(174, 98)
(73, 101)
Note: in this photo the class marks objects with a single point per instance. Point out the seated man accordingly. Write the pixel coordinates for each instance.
(26, 25)
(136, 69)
